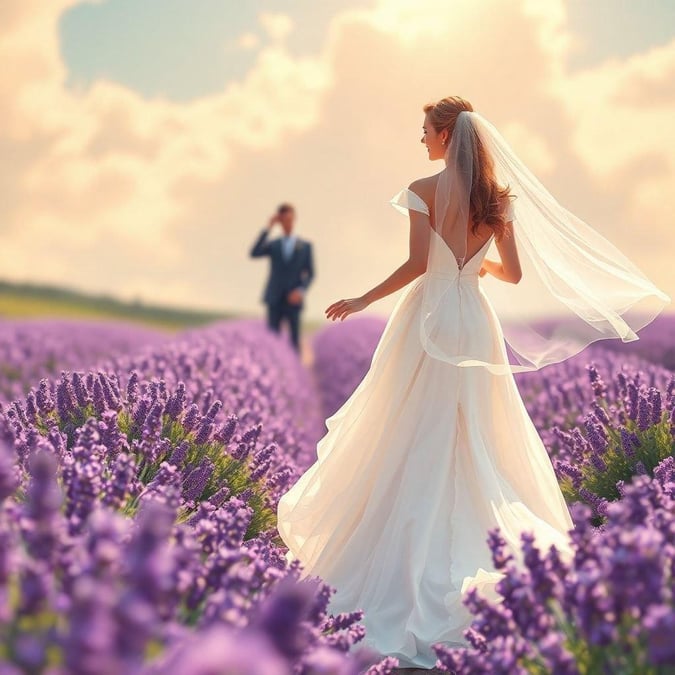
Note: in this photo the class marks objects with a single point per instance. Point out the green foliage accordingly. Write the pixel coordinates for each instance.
(655, 444)
(26, 299)
(227, 471)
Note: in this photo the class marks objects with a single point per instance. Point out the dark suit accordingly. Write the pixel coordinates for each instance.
(285, 275)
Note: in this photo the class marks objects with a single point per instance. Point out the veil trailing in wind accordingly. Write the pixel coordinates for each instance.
(589, 289)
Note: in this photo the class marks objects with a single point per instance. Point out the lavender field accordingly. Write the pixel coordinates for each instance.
(139, 477)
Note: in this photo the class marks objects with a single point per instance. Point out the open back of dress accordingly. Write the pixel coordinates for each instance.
(576, 286)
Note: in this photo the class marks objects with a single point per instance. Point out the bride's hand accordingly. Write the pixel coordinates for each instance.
(343, 308)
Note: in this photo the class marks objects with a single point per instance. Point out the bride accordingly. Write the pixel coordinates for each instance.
(435, 446)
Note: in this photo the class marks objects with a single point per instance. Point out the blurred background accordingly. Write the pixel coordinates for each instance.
(145, 144)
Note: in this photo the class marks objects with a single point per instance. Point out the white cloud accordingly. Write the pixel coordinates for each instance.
(276, 24)
(623, 110)
(533, 149)
(248, 40)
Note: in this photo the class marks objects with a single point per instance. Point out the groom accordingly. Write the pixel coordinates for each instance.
(291, 272)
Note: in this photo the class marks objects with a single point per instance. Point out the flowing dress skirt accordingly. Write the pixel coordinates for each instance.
(415, 467)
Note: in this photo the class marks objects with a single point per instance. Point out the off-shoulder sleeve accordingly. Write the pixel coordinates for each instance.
(407, 200)
(510, 211)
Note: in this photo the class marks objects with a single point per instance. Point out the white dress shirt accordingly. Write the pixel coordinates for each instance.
(287, 244)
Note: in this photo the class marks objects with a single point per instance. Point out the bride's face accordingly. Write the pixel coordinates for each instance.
(434, 141)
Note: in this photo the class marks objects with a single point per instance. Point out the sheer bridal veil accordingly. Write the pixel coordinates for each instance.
(590, 289)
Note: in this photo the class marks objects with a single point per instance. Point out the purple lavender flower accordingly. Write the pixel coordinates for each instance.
(612, 602)
(191, 418)
(629, 442)
(196, 480)
(643, 414)
(659, 623)
(227, 431)
(655, 404)
(9, 476)
(599, 388)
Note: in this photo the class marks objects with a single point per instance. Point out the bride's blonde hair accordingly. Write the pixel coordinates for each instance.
(489, 200)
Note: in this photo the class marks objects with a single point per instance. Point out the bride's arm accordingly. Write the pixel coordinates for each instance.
(403, 275)
(509, 268)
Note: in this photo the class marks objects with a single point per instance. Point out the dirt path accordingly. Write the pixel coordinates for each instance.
(306, 353)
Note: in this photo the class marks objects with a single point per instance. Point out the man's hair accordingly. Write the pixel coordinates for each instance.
(283, 208)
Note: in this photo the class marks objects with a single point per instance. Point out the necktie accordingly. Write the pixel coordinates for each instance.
(288, 247)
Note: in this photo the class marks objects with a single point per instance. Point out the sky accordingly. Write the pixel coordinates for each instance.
(144, 145)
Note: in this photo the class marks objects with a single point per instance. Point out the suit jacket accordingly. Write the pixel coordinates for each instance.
(285, 275)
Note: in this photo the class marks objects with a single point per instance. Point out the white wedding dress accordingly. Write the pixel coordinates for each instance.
(416, 466)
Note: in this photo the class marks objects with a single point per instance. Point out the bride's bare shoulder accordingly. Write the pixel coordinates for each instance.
(425, 188)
